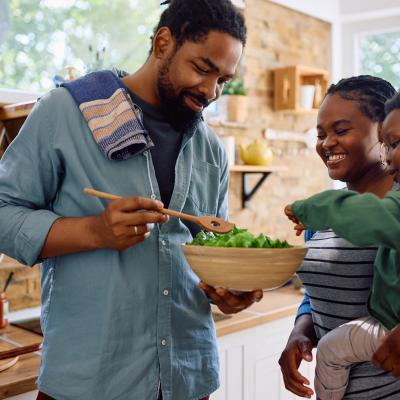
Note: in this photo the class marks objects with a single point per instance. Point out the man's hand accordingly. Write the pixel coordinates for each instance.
(127, 222)
(298, 227)
(124, 223)
(231, 302)
(388, 354)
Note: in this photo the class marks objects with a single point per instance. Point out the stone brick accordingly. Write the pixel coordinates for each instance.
(278, 37)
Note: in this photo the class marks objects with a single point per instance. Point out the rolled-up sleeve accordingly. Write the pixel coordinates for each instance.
(29, 177)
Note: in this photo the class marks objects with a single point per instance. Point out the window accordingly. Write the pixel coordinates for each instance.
(38, 39)
(379, 55)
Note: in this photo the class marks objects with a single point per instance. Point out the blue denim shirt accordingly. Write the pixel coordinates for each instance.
(116, 324)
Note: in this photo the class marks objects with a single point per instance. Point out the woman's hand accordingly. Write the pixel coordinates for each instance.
(388, 354)
(127, 222)
(231, 302)
(298, 227)
(298, 348)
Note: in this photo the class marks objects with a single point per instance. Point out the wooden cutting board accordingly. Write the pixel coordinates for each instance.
(9, 362)
(22, 376)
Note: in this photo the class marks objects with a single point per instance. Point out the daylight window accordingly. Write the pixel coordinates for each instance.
(379, 55)
(38, 39)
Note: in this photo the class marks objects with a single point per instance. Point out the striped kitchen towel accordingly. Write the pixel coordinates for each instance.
(114, 120)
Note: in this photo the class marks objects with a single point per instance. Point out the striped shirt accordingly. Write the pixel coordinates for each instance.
(338, 277)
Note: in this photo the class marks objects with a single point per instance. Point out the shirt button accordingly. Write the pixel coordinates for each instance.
(166, 292)
(153, 197)
(163, 342)
(163, 242)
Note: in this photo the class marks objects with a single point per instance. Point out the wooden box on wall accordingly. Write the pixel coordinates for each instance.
(288, 82)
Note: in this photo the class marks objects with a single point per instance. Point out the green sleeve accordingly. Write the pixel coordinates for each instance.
(363, 219)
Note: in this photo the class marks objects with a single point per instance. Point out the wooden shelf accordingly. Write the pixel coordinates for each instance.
(227, 124)
(288, 82)
(247, 193)
(13, 111)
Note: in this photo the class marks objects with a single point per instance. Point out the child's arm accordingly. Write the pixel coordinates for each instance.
(363, 219)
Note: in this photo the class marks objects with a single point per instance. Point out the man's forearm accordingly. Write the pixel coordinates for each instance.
(71, 235)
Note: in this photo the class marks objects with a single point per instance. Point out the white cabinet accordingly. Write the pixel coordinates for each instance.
(249, 363)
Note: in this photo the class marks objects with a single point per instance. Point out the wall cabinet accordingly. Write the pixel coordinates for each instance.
(295, 84)
(249, 368)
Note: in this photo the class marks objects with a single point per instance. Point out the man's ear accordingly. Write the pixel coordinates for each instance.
(163, 43)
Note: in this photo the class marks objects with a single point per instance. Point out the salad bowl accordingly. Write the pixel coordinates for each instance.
(243, 268)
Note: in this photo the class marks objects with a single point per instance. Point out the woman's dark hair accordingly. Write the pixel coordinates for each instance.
(370, 92)
(393, 103)
(194, 19)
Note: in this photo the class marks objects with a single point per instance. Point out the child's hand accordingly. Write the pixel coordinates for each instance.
(299, 227)
(388, 354)
(290, 214)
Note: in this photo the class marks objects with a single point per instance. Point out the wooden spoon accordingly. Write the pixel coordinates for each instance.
(207, 222)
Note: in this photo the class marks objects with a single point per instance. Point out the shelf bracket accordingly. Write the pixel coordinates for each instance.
(247, 194)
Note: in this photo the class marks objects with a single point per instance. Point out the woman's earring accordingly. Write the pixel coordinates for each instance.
(382, 155)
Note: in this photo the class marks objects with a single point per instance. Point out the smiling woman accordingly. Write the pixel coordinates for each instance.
(336, 274)
(41, 38)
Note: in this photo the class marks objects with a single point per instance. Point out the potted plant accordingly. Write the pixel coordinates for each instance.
(236, 100)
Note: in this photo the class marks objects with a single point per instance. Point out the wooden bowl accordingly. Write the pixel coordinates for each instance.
(244, 268)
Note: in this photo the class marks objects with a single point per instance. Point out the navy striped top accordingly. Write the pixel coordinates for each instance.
(338, 277)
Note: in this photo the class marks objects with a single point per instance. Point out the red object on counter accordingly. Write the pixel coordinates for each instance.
(3, 310)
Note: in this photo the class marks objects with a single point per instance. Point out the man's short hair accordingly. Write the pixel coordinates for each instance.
(193, 20)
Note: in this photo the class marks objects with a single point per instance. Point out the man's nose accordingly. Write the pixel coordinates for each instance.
(209, 90)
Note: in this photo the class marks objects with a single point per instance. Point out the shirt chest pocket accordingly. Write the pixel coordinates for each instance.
(203, 191)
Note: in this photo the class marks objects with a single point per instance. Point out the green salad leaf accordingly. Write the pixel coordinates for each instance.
(237, 238)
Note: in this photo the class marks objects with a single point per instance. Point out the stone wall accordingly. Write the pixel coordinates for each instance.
(278, 37)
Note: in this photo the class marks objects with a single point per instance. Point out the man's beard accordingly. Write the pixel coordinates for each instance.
(181, 117)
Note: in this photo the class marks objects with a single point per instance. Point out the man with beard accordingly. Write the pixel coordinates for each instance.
(123, 315)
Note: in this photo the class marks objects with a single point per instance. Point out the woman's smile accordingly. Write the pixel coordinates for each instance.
(333, 159)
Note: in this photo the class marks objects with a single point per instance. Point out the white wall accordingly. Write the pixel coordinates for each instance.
(362, 6)
(328, 11)
(359, 17)
(349, 19)
(325, 10)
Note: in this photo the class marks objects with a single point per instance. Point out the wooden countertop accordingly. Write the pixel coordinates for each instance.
(275, 304)
(21, 377)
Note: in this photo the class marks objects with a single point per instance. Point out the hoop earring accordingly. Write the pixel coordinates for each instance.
(382, 155)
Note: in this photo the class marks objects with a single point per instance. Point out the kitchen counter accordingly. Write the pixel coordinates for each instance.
(275, 305)
(21, 377)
